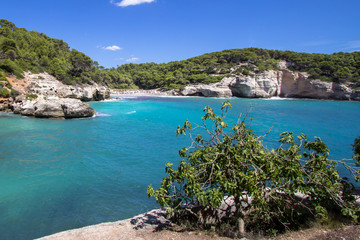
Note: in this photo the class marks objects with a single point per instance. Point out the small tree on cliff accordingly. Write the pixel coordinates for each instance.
(230, 177)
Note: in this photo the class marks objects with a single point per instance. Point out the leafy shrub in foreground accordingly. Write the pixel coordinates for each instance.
(267, 190)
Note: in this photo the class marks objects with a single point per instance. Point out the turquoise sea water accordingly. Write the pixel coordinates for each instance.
(57, 175)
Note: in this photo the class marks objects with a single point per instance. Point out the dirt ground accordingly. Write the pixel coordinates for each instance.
(18, 84)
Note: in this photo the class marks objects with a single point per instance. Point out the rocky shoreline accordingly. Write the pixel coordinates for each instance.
(272, 83)
(43, 96)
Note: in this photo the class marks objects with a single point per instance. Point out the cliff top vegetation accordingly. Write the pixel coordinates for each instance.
(22, 50)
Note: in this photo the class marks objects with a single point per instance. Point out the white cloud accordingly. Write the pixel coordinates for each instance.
(125, 3)
(133, 59)
(112, 48)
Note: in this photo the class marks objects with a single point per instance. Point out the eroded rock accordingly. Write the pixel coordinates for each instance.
(54, 107)
(263, 85)
(283, 83)
(47, 85)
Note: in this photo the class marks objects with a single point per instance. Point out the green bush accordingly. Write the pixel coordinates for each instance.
(19, 75)
(271, 190)
(2, 77)
(14, 93)
(31, 96)
(8, 85)
(4, 93)
(8, 66)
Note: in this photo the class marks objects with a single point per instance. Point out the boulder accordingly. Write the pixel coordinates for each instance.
(27, 108)
(49, 109)
(16, 108)
(54, 107)
(74, 108)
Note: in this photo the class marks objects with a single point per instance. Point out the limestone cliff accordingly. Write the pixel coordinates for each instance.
(42, 95)
(298, 85)
(47, 85)
(282, 83)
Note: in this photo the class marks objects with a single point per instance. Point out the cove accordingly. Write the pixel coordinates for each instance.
(63, 174)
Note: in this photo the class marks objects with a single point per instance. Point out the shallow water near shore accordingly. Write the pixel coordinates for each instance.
(57, 175)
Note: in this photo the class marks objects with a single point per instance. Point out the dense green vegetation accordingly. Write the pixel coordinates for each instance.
(211, 67)
(264, 186)
(22, 50)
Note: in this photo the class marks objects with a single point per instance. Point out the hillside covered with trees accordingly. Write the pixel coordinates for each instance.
(22, 50)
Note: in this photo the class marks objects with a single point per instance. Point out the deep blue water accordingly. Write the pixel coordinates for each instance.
(62, 174)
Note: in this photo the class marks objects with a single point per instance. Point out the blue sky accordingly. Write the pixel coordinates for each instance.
(114, 32)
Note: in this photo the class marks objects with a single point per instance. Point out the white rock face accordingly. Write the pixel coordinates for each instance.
(296, 84)
(56, 100)
(190, 90)
(220, 89)
(55, 108)
(283, 83)
(47, 85)
(262, 85)
(212, 91)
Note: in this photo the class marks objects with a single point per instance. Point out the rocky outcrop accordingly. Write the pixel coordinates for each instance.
(207, 91)
(262, 85)
(282, 83)
(220, 89)
(47, 85)
(43, 96)
(5, 105)
(54, 108)
(298, 85)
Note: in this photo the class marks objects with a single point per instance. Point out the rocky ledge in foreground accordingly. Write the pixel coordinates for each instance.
(124, 229)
